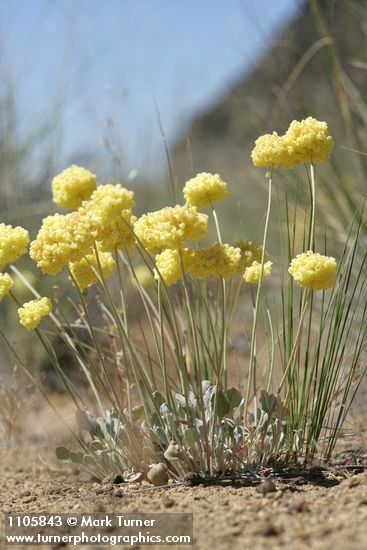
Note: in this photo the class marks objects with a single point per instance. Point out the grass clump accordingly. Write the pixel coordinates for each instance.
(160, 402)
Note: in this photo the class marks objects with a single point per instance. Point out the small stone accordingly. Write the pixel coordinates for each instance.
(158, 474)
(168, 503)
(267, 486)
(299, 505)
(270, 531)
(27, 500)
(56, 491)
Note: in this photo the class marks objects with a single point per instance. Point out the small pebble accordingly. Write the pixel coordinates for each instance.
(168, 503)
(101, 491)
(267, 486)
(270, 531)
(27, 500)
(299, 505)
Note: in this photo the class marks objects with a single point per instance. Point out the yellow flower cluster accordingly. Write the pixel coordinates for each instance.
(61, 240)
(308, 140)
(250, 252)
(205, 189)
(110, 209)
(6, 283)
(252, 273)
(83, 272)
(116, 233)
(73, 186)
(168, 266)
(304, 141)
(107, 219)
(108, 201)
(13, 243)
(218, 260)
(268, 151)
(32, 313)
(313, 270)
(170, 228)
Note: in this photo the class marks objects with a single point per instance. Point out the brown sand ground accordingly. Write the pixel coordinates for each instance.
(297, 515)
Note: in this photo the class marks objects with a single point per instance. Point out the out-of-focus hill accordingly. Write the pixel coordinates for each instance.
(317, 66)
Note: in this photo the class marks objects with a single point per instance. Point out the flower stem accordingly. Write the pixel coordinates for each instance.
(217, 225)
(297, 342)
(223, 355)
(313, 205)
(198, 364)
(252, 363)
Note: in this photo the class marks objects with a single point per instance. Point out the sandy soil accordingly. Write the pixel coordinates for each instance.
(297, 515)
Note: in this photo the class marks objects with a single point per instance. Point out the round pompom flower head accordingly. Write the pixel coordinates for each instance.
(306, 141)
(313, 270)
(110, 209)
(252, 273)
(61, 240)
(170, 227)
(169, 265)
(250, 252)
(13, 243)
(109, 200)
(6, 283)
(268, 151)
(218, 260)
(73, 186)
(205, 189)
(32, 313)
(85, 270)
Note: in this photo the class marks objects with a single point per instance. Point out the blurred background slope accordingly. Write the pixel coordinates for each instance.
(86, 81)
(317, 66)
(98, 84)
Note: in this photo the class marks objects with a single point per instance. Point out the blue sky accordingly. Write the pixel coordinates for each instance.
(111, 60)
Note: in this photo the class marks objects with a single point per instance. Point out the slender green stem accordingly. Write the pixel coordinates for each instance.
(252, 362)
(270, 379)
(163, 348)
(296, 345)
(223, 355)
(217, 227)
(313, 205)
(197, 361)
(65, 337)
